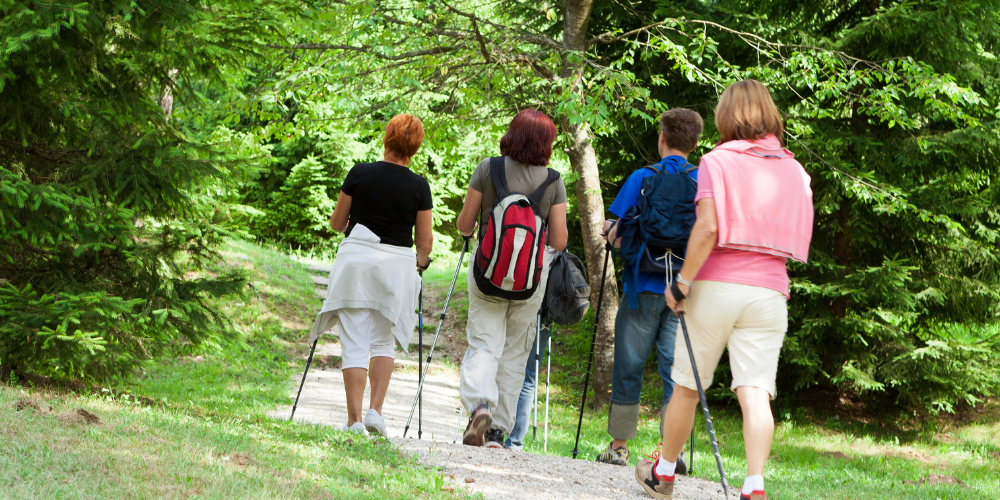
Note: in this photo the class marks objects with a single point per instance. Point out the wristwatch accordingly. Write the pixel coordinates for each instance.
(680, 279)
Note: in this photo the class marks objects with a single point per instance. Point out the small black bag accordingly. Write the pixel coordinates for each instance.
(567, 295)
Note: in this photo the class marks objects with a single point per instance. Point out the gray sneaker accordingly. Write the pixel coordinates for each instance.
(374, 423)
(357, 428)
(613, 456)
(656, 486)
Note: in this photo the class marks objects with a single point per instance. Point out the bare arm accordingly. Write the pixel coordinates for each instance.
(704, 236)
(610, 233)
(470, 212)
(423, 236)
(341, 213)
(558, 234)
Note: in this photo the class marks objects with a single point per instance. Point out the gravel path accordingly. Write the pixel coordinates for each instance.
(508, 475)
(324, 400)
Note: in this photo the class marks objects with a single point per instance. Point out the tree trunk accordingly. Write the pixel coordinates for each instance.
(590, 203)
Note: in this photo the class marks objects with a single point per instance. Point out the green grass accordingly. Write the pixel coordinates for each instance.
(207, 435)
(806, 460)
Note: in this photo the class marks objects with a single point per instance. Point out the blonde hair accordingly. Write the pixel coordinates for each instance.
(747, 112)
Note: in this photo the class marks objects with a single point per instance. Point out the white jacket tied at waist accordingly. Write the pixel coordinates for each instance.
(370, 275)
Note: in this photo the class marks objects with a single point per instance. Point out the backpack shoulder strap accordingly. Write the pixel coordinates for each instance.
(690, 168)
(537, 195)
(653, 168)
(498, 173)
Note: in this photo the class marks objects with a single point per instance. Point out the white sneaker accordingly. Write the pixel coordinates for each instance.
(357, 428)
(374, 423)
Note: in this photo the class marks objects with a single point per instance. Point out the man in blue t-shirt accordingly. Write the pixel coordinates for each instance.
(652, 323)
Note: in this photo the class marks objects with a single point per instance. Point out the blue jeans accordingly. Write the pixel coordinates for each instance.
(523, 419)
(636, 332)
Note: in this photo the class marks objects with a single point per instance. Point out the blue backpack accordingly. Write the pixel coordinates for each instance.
(657, 229)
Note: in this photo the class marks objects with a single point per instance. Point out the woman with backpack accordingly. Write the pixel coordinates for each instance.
(519, 207)
(385, 210)
(754, 213)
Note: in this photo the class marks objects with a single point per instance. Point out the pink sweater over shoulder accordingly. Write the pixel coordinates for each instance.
(764, 208)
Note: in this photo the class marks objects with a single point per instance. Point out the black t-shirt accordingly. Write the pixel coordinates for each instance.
(385, 198)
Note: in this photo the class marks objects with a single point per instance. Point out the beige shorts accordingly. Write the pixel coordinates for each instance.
(750, 320)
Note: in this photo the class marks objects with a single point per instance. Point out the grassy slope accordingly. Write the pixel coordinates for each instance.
(208, 437)
(812, 457)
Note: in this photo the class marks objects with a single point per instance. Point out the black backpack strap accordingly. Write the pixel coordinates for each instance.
(537, 195)
(498, 173)
(653, 168)
(690, 168)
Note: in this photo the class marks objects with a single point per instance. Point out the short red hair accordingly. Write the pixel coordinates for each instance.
(403, 135)
(529, 138)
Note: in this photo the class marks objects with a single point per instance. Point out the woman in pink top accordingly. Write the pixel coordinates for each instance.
(754, 213)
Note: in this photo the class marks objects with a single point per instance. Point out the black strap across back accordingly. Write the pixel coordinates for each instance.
(498, 172)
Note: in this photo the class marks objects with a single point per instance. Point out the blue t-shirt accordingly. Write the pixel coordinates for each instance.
(628, 197)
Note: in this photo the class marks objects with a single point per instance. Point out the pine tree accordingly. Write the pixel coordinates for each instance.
(104, 205)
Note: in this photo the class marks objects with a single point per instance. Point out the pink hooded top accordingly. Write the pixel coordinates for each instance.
(764, 208)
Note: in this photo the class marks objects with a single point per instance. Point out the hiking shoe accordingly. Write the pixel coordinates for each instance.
(479, 422)
(494, 439)
(613, 456)
(756, 495)
(356, 427)
(680, 469)
(374, 423)
(657, 486)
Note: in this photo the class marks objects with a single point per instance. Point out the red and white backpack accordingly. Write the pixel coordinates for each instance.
(508, 262)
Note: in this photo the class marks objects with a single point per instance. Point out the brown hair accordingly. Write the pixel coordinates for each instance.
(403, 135)
(529, 138)
(681, 128)
(747, 112)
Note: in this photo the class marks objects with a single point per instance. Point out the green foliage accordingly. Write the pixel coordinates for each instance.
(891, 106)
(103, 203)
(892, 111)
(299, 212)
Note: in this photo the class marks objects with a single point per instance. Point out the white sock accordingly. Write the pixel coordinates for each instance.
(753, 483)
(664, 468)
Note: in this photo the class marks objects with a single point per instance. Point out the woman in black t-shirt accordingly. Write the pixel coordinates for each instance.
(384, 209)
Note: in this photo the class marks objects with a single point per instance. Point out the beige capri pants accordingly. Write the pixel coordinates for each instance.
(750, 320)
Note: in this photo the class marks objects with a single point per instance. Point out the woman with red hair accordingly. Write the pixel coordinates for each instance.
(384, 209)
(501, 331)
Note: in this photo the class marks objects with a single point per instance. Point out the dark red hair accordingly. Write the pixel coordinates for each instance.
(529, 138)
(403, 135)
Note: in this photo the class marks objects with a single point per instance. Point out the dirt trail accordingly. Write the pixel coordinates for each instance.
(510, 475)
(324, 401)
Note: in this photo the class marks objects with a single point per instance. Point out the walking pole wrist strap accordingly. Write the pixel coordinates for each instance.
(675, 289)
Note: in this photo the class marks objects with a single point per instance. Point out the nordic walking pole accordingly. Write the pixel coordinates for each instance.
(590, 358)
(308, 362)
(538, 342)
(691, 454)
(430, 354)
(548, 368)
(420, 350)
(704, 405)
(461, 413)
